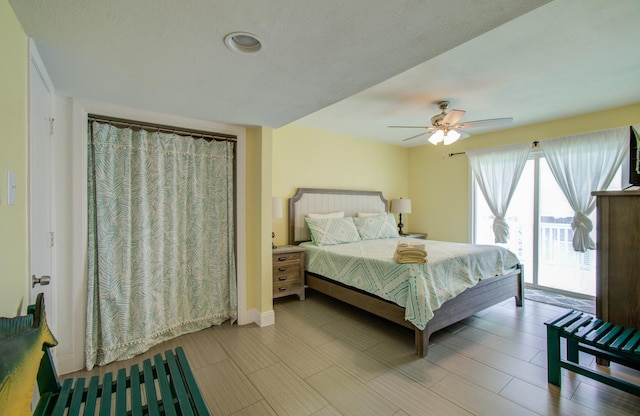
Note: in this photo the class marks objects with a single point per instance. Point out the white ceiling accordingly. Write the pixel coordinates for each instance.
(353, 67)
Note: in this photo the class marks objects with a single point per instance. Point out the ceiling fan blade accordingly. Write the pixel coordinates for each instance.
(413, 137)
(452, 117)
(463, 135)
(410, 127)
(485, 123)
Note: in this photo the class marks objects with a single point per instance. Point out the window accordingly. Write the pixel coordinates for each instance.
(539, 217)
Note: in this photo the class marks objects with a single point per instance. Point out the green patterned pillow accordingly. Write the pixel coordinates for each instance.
(377, 226)
(331, 231)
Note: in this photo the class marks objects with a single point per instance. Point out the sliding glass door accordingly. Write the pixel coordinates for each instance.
(539, 218)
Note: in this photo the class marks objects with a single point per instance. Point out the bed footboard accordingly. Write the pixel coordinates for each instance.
(485, 294)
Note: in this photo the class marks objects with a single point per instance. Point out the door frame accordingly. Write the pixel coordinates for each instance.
(36, 61)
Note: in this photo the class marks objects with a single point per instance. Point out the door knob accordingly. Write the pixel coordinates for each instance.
(44, 280)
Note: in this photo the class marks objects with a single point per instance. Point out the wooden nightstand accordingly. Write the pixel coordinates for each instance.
(422, 236)
(288, 271)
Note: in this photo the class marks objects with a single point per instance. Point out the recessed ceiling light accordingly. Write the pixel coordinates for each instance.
(242, 42)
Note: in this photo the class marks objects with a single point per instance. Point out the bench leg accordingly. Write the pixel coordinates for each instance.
(553, 356)
(572, 350)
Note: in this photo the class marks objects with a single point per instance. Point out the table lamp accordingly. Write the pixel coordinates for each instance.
(400, 206)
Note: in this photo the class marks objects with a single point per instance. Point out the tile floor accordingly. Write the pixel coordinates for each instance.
(326, 358)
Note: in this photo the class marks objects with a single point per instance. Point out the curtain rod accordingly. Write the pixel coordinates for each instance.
(120, 122)
(534, 144)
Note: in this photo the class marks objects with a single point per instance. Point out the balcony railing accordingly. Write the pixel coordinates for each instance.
(556, 246)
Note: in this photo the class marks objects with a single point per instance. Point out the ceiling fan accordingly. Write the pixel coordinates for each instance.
(446, 126)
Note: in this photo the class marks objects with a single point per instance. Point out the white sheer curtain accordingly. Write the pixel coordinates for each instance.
(497, 171)
(583, 163)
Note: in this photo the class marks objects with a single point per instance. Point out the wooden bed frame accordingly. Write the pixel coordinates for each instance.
(486, 293)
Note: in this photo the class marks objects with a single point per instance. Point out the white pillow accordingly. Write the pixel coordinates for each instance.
(337, 214)
(370, 214)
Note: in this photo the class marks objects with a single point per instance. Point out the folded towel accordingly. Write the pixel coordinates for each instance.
(410, 252)
(409, 259)
(411, 248)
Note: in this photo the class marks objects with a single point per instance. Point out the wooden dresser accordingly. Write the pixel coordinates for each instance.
(618, 257)
(288, 271)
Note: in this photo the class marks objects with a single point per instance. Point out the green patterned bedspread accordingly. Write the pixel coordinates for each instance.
(451, 268)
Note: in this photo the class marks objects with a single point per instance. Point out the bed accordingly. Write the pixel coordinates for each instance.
(396, 294)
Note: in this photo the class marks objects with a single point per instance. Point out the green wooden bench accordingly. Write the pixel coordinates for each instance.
(164, 385)
(586, 333)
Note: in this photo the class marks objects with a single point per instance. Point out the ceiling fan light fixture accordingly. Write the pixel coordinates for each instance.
(451, 136)
(436, 137)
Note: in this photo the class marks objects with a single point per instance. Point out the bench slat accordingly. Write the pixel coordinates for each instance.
(630, 345)
(192, 385)
(121, 392)
(610, 336)
(150, 388)
(597, 333)
(92, 396)
(136, 396)
(63, 397)
(584, 331)
(165, 390)
(76, 396)
(107, 390)
(618, 342)
(44, 404)
(566, 319)
(577, 324)
(178, 382)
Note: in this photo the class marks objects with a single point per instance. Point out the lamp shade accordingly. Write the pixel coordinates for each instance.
(276, 207)
(401, 206)
(451, 136)
(436, 137)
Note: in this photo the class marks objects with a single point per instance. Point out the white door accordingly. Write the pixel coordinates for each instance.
(42, 278)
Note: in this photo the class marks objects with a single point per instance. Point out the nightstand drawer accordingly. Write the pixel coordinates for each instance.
(286, 257)
(286, 287)
(286, 269)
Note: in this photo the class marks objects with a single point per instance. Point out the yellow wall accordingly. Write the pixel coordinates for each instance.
(439, 186)
(13, 157)
(310, 158)
(258, 221)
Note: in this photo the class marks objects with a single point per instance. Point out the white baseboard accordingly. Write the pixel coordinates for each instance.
(261, 319)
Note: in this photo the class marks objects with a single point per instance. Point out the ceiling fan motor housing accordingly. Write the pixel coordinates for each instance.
(437, 119)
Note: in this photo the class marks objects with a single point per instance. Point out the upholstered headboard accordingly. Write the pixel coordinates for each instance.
(316, 200)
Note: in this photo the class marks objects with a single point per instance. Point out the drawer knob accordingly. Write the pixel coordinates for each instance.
(281, 278)
(282, 258)
(282, 269)
(282, 289)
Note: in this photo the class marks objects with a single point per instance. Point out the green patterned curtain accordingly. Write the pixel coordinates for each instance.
(161, 239)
